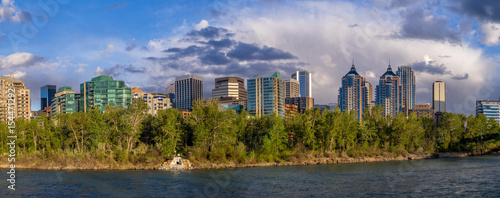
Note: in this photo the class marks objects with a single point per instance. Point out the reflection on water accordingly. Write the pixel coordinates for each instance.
(472, 176)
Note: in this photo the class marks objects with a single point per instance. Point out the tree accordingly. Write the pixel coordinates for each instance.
(134, 116)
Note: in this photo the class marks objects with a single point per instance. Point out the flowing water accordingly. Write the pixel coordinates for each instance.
(462, 177)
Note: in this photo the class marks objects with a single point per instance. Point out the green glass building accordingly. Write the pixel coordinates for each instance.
(102, 91)
(266, 94)
(65, 101)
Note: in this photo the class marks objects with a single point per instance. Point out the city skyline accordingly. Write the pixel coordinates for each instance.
(210, 38)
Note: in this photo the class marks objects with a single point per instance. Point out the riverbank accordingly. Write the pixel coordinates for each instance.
(93, 164)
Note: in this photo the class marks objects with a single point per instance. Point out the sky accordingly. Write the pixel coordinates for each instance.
(148, 43)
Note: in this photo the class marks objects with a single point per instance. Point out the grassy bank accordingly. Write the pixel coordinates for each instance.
(132, 139)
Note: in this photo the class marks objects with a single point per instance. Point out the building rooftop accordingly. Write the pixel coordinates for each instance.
(65, 88)
(353, 71)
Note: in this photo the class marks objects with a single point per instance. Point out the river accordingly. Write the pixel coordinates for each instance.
(464, 177)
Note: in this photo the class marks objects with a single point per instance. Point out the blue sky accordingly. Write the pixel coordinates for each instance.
(148, 43)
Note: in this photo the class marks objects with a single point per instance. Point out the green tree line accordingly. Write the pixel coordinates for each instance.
(129, 136)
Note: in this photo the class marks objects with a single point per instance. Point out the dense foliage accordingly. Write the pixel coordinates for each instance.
(209, 135)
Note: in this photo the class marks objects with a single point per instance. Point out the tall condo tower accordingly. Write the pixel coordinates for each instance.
(389, 93)
(47, 93)
(407, 77)
(439, 96)
(188, 88)
(305, 81)
(266, 94)
(354, 94)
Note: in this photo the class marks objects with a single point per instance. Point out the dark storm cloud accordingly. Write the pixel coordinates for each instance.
(248, 52)
(482, 10)
(416, 25)
(134, 70)
(223, 43)
(119, 69)
(131, 45)
(210, 32)
(436, 69)
(214, 57)
(431, 68)
(252, 69)
(112, 71)
(403, 3)
(460, 77)
(219, 55)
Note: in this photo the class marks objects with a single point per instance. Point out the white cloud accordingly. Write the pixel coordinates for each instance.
(19, 74)
(491, 34)
(110, 48)
(203, 24)
(20, 59)
(8, 11)
(309, 29)
(370, 74)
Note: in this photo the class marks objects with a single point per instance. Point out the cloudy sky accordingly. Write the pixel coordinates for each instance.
(67, 42)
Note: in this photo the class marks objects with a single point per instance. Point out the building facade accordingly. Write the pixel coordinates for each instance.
(407, 77)
(15, 99)
(422, 110)
(47, 93)
(154, 102)
(305, 82)
(439, 96)
(65, 101)
(170, 93)
(230, 91)
(266, 94)
(368, 96)
(303, 103)
(489, 108)
(102, 91)
(292, 88)
(353, 94)
(188, 88)
(389, 93)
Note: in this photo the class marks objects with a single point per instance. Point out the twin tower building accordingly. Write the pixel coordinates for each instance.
(395, 93)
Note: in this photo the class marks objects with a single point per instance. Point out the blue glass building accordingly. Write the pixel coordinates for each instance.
(389, 93)
(489, 108)
(305, 84)
(266, 94)
(407, 77)
(353, 94)
(47, 93)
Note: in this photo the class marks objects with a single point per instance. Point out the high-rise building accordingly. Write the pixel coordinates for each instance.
(353, 93)
(489, 108)
(102, 91)
(266, 94)
(407, 77)
(15, 99)
(305, 81)
(439, 96)
(368, 96)
(389, 93)
(230, 91)
(292, 88)
(65, 101)
(47, 93)
(302, 103)
(170, 92)
(188, 88)
(154, 102)
(422, 110)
